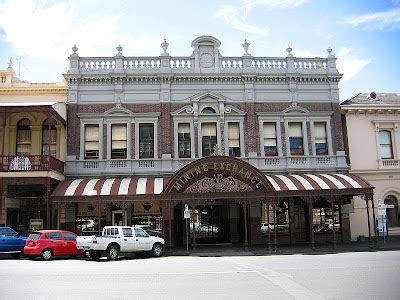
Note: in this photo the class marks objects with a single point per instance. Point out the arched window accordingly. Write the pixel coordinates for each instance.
(53, 138)
(23, 137)
(392, 212)
(208, 110)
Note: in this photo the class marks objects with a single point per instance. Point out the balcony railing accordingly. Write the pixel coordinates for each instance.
(329, 163)
(389, 163)
(13, 163)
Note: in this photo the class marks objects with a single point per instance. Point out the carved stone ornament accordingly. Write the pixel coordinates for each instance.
(218, 183)
(206, 60)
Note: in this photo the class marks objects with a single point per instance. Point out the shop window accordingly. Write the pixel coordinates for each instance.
(23, 137)
(323, 219)
(208, 138)
(385, 144)
(277, 219)
(119, 141)
(184, 142)
(296, 139)
(92, 141)
(321, 146)
(234, 139)
(49, 142)
(270, 139)
(146, 140)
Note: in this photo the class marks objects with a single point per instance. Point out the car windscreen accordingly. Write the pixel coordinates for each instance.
(34, 236)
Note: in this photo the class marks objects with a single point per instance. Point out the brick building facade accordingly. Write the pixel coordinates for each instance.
(252, 146)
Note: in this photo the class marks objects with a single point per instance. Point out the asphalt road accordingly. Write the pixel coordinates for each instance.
(357, 275)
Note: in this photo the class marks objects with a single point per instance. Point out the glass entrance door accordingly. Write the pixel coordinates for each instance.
(300, 222)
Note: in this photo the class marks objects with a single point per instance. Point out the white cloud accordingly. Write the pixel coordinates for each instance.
(349, 66)
(379, 20)
(48, 30)
(236, 16)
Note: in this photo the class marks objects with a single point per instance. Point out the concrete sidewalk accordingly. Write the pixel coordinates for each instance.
(393, 243)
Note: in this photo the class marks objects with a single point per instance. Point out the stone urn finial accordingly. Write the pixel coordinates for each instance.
(10, 64)
(246, 47)
(74, 48)
(289, 51)
(329, 51)
(119, 49)
(164, 46)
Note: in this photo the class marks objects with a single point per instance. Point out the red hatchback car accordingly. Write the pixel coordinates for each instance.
(49, 243)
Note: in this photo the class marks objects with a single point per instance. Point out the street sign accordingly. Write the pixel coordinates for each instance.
(389, 206)
(381, 209)
(186, 214)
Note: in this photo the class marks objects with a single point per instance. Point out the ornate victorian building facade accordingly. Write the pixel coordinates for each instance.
(252, 146)
(33, 149)
(373, 141)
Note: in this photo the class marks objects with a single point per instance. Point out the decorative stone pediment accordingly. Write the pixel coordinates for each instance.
(231, 110)
(186, 110)
(118, 111)
(295, 109)
(208, 96)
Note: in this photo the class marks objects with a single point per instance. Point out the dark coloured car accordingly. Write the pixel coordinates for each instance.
(11, 242)
(49, 243)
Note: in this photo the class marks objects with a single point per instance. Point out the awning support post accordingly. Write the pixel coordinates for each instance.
(369, 222)
(246, 241)
(373, 215)
(333, 221)
(311, 222)
(275, 227)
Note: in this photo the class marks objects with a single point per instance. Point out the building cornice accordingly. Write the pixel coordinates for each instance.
(34, 90)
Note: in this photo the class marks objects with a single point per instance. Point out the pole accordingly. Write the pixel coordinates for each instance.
(384, 229)
(187, 236)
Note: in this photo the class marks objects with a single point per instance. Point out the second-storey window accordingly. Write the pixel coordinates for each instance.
(385, 144)
(296, 139)
(234, 139)
(184, 140)
(92, 141)
(49, 142)
(23, 137)
(208, 138)
(119, 141)
(321, 146)
(146, 140)
(270, 142)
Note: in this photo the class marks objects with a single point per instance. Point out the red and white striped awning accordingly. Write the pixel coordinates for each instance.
(111, 186)
(310, 182)
(154, 186)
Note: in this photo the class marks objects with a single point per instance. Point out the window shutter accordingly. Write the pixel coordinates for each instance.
(91, 133)
(183, 128)
(118, 132)
(295, 130)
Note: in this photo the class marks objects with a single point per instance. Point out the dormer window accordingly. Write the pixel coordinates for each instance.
(208, 110)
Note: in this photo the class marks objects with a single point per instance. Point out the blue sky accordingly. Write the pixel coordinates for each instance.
(364, 34)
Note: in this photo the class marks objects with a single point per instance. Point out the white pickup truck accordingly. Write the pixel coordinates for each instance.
(120, 239)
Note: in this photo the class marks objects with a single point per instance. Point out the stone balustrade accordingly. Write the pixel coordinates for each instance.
(201, 62)
(169, 165)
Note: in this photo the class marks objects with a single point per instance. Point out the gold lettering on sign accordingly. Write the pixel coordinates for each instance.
(229, 167)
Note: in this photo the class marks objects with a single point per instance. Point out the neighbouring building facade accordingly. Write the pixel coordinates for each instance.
(372, 121)
(251, 146)
(33, 149)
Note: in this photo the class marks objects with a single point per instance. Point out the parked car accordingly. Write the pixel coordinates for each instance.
(49, 243)
(120, 239)
(11, 242)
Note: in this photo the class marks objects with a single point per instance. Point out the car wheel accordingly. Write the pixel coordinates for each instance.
(95, 255)
(157, 250)
(112, 252)
(46, 254)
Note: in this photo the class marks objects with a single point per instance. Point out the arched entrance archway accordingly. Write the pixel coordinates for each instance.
(221, 214)
(392, 214)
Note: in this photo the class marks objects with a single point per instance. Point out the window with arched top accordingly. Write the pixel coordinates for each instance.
(49, 128)
(23, 137)
(208, 110)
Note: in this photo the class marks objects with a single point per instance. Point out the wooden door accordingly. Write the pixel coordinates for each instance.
(300, 226)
